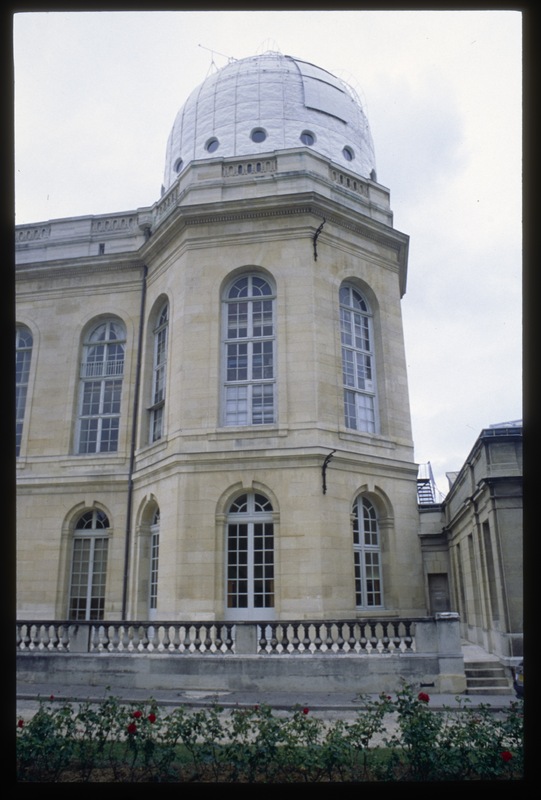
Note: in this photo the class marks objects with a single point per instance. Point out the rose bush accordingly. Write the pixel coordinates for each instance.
(120, 742)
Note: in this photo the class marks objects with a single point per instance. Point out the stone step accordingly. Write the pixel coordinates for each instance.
(485, 673)
(477, 683)
(486, 690)
(487, 677)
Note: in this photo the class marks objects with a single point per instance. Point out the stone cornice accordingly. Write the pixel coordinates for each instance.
(284, 206)
(67, 268)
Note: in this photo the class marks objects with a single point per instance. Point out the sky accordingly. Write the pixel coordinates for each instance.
(96, 95)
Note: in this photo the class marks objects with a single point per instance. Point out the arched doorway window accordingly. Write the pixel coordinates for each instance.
(250, 558)
(154, 558)
(367, 555)
(89, 566)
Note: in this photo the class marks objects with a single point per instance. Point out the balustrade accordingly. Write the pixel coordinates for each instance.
(339, 637)
(44, 636)
(163, 637)
(364, 637)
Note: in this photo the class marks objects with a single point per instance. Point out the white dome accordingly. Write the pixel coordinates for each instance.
(266, 103)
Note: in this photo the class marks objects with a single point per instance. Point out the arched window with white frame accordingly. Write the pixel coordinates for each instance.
(250, 557)
(367, 555)
(102, 370)
(249, 344)
(161, 335)
(89, 566)
(23, 357)
(358, 373)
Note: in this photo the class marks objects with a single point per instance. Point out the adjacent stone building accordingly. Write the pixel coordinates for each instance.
(472, 543)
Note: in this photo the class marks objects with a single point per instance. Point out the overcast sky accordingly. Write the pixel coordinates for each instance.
(96, 95)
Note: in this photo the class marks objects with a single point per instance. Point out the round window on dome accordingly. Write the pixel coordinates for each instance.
(307, 137)
(178, 165)
(258, 135)
(348, 154)
(212, 145)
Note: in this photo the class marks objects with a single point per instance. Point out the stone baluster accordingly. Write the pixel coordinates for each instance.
(329, 640)
(373, 637)
(340, 639)
(294, 637)
(209, 642)
(385, 640)
(352, 638)
(197, 638)
(363, 641)
(408, 638)
(177, 643)
(306, 641)
(317, 637)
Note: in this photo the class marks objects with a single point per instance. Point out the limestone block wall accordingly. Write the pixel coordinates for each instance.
(199, 465)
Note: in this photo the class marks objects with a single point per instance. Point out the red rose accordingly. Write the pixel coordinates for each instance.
(306, 711)
(424, 698)
(151, 717)
(51, 697)
(132, 727)
(137, 714)
(256, 708)
(506, 755)
(20, 723)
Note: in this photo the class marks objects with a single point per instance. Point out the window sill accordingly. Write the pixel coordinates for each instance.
(247, 432)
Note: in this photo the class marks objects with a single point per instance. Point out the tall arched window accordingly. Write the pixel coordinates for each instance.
(154, 558)
(249, 353)
(102, 369)
(250, 557)
(367, 555)
(89, 566)
(159, 374)
(357, 361)
(23, 356)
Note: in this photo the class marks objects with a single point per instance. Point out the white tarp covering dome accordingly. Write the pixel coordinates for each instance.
(270, 102)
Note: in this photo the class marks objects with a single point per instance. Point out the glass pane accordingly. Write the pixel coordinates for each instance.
(236, 411)
(262, 404)
(262, 360)
(88, 438)
(239, 288)
(237, 320)
(260, 287)
(262, 318)
(109, 435)
(237, 362)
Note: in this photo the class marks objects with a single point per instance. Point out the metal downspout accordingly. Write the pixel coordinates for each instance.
(129, 503)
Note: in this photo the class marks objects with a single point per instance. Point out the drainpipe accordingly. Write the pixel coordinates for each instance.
(132, 444)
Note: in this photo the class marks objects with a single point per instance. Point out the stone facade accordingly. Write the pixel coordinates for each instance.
(306, 234)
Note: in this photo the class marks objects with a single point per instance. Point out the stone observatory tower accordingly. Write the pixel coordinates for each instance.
(237, 424)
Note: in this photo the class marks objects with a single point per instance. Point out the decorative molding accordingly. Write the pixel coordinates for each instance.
(114, 224)
(347, 182)
(32, 233)
(355, 227)
(249, 166)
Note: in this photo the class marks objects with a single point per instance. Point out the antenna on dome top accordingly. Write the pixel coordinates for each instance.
(268, 46)
(215, 52)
